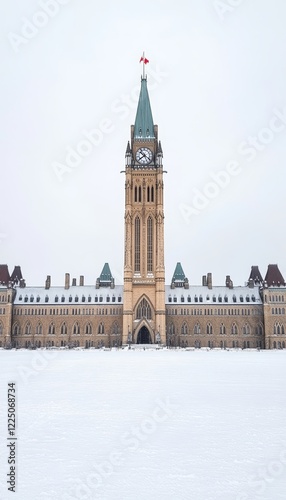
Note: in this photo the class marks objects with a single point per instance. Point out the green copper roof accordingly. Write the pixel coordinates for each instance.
(179, 274)
(106, 273)
(144, 125)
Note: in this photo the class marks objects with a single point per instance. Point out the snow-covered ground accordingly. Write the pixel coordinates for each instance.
(141, 425)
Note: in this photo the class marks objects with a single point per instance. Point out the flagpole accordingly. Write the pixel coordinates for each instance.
(143, 65)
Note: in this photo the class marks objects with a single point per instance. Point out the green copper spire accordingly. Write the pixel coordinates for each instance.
(179, 274)
(144, 125)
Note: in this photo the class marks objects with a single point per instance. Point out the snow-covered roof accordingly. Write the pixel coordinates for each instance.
(216, 295)
(72, 295)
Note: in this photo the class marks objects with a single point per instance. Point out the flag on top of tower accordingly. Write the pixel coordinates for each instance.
(144, 59)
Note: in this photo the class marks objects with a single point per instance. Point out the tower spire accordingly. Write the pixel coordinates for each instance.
(144, 125)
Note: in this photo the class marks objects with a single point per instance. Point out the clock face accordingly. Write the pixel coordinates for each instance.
(144, 156)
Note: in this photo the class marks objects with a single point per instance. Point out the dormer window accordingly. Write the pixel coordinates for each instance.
(96, 298)
(170, 298)
(113, 298)
(70, 298)
(175, 298)
(100, 298)
(56, 298)
(107, 298)
(83, 298)
(189, 298)
(89, 298)
(20, 297)
(119, 298)
(182, 298)
(76, 298)
(63, 298)
(26, 298)
(234, 298)
(253, 298)
(226, 298)
(241, 298)
(201, 298)
(32, 298)
(46, 298)
(247, 298)
(214, 298)
(196, 299)
(220, 298)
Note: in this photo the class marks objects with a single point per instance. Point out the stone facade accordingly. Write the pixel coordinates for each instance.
(144, 309)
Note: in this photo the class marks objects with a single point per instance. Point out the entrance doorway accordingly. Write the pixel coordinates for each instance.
(143, 336)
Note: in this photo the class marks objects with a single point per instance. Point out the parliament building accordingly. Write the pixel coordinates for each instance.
(144, 310)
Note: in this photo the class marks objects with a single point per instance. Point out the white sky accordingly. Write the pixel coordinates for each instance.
(218, 81)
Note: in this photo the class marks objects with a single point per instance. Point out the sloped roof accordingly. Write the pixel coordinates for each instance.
(16, 275)
(255, 275)
(105, 273)
(273, 276)
(179, 274)
(4, 274)
(144, 125)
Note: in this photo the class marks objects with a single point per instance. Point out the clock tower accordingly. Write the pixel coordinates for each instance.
(144, 272)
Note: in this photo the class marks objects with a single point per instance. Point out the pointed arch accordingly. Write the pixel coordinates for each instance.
(234, 329)
(88, 329)
(101, 328)
(51, 330)
(1, 328)
(197, 328)
(64, 329)
(39, 329)
(16, 329)
(115, 328)
(171, 329)
(137, 245)
(76, 329)
(28, 328)
(143, 310)
(184, 329)
(150, 244)
(222, 329)
(246, 329)
(209, 329)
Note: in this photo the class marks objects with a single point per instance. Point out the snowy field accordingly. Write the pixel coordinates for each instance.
(141, 425)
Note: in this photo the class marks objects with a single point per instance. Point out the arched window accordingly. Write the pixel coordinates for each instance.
(209, 329)
(282, 330)
(197, 328)
(51, 330)
(259, 330)
(234, 330)
(137, 245)
(143, 310)
(152, 194)
(28, 329)
(222, 329)
(76, 329)
(184, 329)
(1, 328)
(150, 245)
(88, 329)
(246, 329)
(148, 194)
(101, 329)
(171, 329)
(64, 329)
(140, 194)
(16, 329)
(115, 329)
(135, 194)
(39, 329)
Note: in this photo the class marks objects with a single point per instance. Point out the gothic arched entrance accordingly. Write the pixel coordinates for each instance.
(144, 336)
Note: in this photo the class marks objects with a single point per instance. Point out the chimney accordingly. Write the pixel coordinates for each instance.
(48, 283)
(251, 283)
(74, 282)
(209, 281)
(204, 281)
(67, 281)
(228, 282)
(81, 281)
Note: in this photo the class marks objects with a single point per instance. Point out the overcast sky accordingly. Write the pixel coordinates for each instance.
(216, 81)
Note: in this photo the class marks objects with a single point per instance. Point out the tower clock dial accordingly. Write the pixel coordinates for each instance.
(144, 156)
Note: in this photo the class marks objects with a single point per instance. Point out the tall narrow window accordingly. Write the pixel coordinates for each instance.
(152, 193)
(150, 245)
(148, 194)
(137, 245)
(135, 194)
(139, 194)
